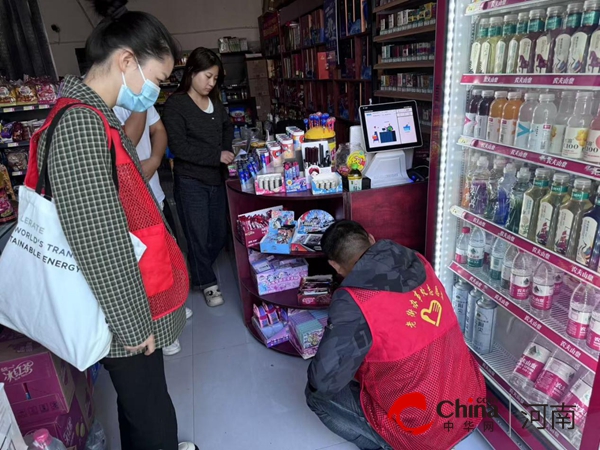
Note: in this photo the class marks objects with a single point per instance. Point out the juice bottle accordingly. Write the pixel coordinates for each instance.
(525, 118)
(471, 167)
(535, 28)
(469, 126)
(544, 46)
(483, 112)
(577, 126)
(550, 209)
(495, 117)
(516, 200)
(479, 187)
(488, 48)
(508, 31)
(544, 116)
(565, 111)
(510, 116)
(581, 39)
(355, 179)
(531, 203)
(504, 189)
(593, 54)
(562, 47)
(570, 218)
(482, 35)
(591, 152)
(588, 248)
(512, 60)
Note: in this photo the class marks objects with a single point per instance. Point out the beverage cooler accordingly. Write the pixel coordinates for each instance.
(517, 211)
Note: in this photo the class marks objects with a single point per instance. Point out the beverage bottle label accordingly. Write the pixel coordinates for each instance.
(523, 132)
(577, 52)
(496, 268)
(485, 57)
(558, 281)
(542, 51)
(543, 225)
(532, 361)
(475, 257)
(524, 55)
(541, 297)
(579, 397)
(554, 379)
(506, 273)
(578, 324)
(589, 230)
(520, 285)
(593, 335)
(558, 138)
(575, 142)
(592, 149)
(561, 53)
(512, 58)
(542, 137)
(593, 59)
(481, 123)
(475, 52)
(526, 215)
(501, 50)
(563, 231)
(493, 129)
(507, 131)
(469, 126)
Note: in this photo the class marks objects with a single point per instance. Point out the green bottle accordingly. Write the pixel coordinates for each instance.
(550, 209)
(508, 31)
(482, 36)
(570, 218)
(531, 203)
(488, 48)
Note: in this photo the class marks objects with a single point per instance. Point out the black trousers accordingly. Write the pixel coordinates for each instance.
(147, 418)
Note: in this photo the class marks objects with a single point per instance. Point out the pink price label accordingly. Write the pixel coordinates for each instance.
(593, 340)
(551, 384)
(519, 288)
(529, 367)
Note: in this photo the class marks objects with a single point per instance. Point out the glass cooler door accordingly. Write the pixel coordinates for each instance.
(501, 164)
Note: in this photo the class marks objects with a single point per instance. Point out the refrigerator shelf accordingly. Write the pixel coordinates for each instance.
(554, 329)
(573, 166)
(523, 80)
(498, 6)
(497, 368)
(572, 268)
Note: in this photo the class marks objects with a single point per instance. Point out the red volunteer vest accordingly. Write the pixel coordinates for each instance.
(163, 269)
(417, 349)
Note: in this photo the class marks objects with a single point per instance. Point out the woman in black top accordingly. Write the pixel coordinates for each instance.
(200, 136)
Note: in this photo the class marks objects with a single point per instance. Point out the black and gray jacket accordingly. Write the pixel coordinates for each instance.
(386, 266)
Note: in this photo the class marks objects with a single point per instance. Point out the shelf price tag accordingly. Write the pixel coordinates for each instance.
(7, 110)
(28, 108)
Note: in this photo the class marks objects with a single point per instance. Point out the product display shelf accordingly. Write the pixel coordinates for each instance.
(299, 196)
(13, 109)
(409, 31)
(15, 145)
(503, 6)
(556, 162)
(293, 254)
(497, 368)
(534, 81)
(560, 262)
(405, 95)
(405, 65)
(384, 8)
(554, 328)
(287, 299)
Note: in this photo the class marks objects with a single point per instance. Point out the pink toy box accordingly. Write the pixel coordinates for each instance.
(38, 384)
(275, 273)
(253, 226)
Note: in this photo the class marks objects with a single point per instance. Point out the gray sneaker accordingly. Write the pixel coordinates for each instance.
(172, 349)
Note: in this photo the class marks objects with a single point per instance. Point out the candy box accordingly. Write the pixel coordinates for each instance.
(327, 183)
(253, 226)
(275, 273)
(310, 229)
(280, 233)
(39, 385)
(269, 183)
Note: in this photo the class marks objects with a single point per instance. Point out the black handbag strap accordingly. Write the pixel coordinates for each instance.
(44, 177)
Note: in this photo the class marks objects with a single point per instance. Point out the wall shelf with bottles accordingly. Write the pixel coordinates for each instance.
(501, 6)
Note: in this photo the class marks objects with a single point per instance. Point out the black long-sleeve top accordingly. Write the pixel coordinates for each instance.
(197, 138)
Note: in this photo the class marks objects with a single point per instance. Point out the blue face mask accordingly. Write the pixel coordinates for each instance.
(138, 102)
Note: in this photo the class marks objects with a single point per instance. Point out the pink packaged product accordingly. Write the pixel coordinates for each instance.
(253, 226)
(271, 322)
(275, 273)
(38, 384)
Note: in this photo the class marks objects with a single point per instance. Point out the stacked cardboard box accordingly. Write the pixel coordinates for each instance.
(258, 76)
(46, 392)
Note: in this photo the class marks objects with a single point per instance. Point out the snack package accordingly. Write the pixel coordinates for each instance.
(26, 95)
(18, 132)
(46, 91)
(7, 96)
(7, 212)
(17, 161)
(6, 135)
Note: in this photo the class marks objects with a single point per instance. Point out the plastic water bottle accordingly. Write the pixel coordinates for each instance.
(542, 293)
(583, 302)
(43, 441)
(520, 277)
(479, 187)
(487, 253)
(516, 199)
(462, 246)
(554, 381)
(476, 250)
(504, 188)
(497, 262)
(530, 365)
(579, 395)
(525, 119)
(593, 334)
(544, 116)
(507, 265)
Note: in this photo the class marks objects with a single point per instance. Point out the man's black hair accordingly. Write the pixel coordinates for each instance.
(345, 241)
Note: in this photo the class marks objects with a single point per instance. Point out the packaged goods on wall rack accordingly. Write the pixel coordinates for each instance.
(421, 51)
(408, 18)
(408, 82)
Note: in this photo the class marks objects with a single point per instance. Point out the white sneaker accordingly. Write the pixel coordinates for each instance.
(172, 349)
(213, 296)
(188, 313)
(187, 446)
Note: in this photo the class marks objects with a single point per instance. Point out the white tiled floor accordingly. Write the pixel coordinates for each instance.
(232, 393)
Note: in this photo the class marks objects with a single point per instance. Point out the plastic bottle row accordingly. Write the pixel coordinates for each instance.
(543, 374)
(555, 210)
(556, 40)
(529, 280)
(537, 121)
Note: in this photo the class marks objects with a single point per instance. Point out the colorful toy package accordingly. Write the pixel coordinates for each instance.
(275, 273)
(306, 331)
(315, 290)
(253, 226)
(280, 234)
(310, 229)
